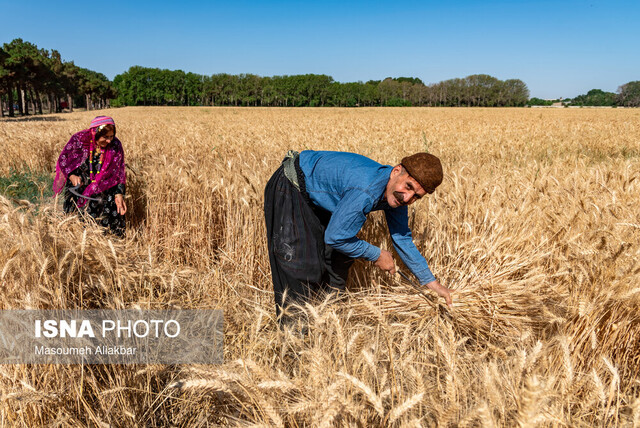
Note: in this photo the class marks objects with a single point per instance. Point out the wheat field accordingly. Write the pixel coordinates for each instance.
(536, 227)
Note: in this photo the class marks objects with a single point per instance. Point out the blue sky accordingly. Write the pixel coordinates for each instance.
(558, 48)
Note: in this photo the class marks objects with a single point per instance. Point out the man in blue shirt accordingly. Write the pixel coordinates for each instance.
(317, 202)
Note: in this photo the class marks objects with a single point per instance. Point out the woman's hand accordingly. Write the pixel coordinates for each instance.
(120, 205)
(75, 180)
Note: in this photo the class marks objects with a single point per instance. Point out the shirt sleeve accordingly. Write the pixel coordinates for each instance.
(346, 221)
(398, 223)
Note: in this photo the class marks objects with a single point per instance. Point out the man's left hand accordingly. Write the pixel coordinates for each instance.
(442, 291)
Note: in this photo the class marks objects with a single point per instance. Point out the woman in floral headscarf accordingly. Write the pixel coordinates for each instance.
(91, 170)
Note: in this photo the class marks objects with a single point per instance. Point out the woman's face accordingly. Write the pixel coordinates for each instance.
(103, 141)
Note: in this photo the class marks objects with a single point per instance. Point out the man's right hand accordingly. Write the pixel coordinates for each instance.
(385, 262)
(75, 180)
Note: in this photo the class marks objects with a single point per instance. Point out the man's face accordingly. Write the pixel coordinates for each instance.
(402, 189)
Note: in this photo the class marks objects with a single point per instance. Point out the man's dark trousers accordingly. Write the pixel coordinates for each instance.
(301, 263)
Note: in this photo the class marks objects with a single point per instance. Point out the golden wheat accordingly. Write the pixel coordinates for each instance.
(535, 227)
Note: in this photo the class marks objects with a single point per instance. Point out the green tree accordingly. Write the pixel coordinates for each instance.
(517, 93)
(595, 97)
(412, 80)
(17, 64)
(629, 94)
(4, 81)
(390, 92)
(539, 102)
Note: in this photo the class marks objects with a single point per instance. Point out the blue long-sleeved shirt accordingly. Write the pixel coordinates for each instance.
(350, 186)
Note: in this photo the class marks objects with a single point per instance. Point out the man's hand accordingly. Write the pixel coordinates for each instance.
(122, 207)
(385, 262)
(442, 291)
(75, 180)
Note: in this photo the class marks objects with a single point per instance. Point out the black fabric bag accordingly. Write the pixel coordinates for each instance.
(301, 263)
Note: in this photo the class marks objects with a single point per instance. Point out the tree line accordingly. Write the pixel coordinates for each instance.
(34, 79)
(628, 96)
(153, 86)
